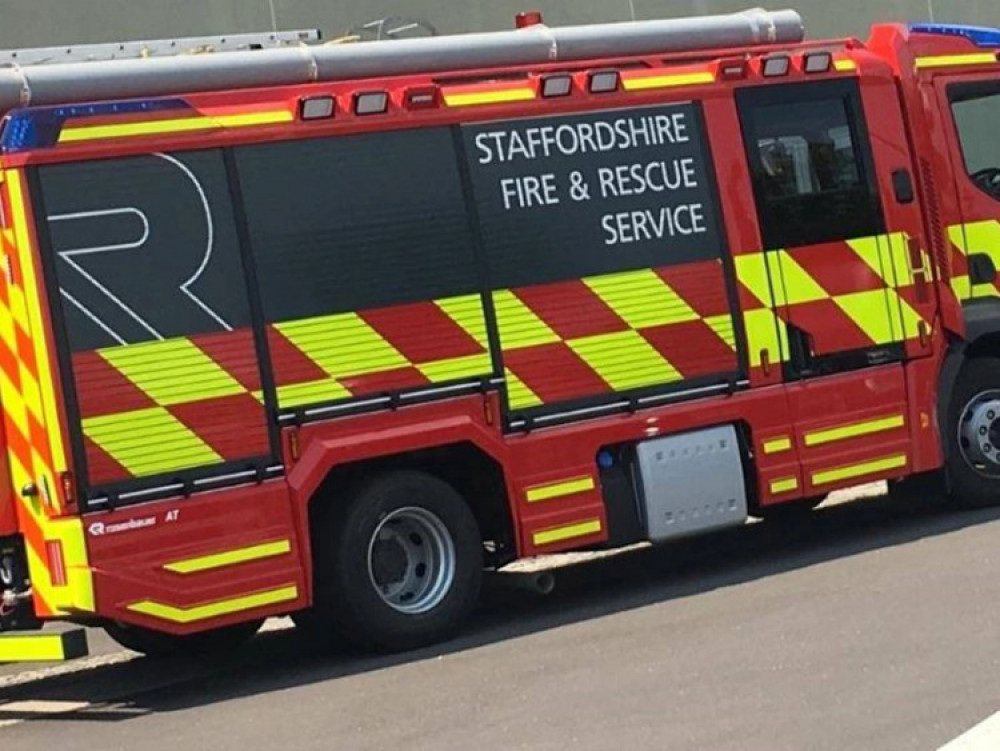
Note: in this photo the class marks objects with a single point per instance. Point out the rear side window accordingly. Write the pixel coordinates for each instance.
(810, 163)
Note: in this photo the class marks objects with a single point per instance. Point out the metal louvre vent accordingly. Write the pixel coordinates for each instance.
(937, 240)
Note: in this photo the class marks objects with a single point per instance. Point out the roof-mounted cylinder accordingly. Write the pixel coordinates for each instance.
(64, 83)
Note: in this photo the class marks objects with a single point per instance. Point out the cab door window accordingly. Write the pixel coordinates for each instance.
(811, 173)
(976, 108)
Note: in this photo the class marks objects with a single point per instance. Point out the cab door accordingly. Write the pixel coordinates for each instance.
(838, 222)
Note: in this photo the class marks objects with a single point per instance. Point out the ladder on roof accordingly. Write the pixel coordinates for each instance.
(157, 47)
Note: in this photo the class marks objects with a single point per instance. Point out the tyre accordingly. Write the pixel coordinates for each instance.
(973, 428)
(398, 565)
(216, 642)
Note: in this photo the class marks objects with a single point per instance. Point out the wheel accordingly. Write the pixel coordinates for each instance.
(789, 512)
(216, 642)
(399, 565)
(973, 464)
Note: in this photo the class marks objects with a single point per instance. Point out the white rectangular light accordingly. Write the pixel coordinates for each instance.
(553, 86)
(603, 82)
(817, 62)
(777, 66)
(371, 103)
(317, 107)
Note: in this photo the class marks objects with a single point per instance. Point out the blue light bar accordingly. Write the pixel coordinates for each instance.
(39, 127)
(981, 36)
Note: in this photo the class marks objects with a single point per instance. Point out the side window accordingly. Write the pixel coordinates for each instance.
(810, 164)
(976, 108)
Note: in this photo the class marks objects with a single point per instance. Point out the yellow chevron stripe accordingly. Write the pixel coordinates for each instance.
(765, 331)
(518, 393)
(644, 83)
(946, 61)
(558, 534)
(173, 371)
(457, 368)
(784, 485)
(343, 345)
(843, 432)
(149, 441)
(751, 270)
(625, 360)
(559, 489)
(859, 470)
(472, 99)
(870, 312)
(519, 326)
(777, 445)
(723, 326)
(797, 286)
(214, 609)
(176, 125)
(641, 298)
(467, 313)
(311, 392)
(230, 557)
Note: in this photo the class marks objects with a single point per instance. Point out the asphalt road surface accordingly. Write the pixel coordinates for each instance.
(875, 626)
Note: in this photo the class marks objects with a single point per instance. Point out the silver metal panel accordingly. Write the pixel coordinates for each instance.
(691, 482)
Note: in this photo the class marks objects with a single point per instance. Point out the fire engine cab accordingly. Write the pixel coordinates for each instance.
(330, 329)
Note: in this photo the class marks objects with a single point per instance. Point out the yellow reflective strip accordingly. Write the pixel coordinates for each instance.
(723, 327)
(944, 61)
(214, 609)
(559, 489)
(983, 237)
(907, 317)
(870, 311)
(667, 81)
(467, 313)
(149, 441)
(520, 94)
(844, 66)
(549, 536)
(457, 368)
(343, 345)
(177, 125)
(765, 331)
(857, 470)
(297, 394)
(67, 645)
(625, 360)
(777, 445)
(518, 394)
(799, 286)
(641, 298)
(784, 485)
(173, 371)
(519, 326)
(229, 557)
(869, 250)
(751, 270)
(819, 437)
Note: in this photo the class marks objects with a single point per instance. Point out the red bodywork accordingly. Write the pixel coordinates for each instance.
(909, 128)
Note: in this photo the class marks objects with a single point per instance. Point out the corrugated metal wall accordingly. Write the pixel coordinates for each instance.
(27, 23)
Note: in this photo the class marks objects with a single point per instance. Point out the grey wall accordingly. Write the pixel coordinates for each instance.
(27, 23)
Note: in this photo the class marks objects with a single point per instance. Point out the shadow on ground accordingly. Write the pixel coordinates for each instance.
(279, 660)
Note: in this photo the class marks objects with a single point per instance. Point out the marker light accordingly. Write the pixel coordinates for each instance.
(371, 103)
(553, 86)
(316, 108)
(776, 66)
(817, 62)
(603, 82)
(981, 36)
(422, 98)
(733, 69)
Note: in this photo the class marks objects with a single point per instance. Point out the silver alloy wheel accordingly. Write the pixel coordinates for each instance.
(979, 433)
(411, 560)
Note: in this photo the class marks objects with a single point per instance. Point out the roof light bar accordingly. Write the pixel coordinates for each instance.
(981, 36)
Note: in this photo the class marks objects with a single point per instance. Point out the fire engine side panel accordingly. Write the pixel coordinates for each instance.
(148, 279)
(601, 237)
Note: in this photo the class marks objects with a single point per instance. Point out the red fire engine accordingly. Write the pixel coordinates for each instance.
(327, 330)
